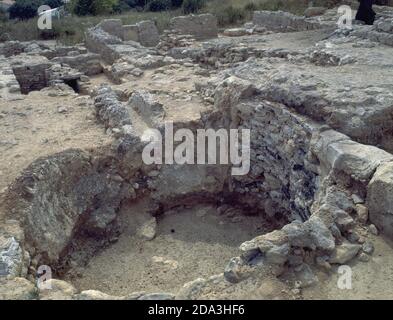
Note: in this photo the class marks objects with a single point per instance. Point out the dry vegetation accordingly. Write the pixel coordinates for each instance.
(70, 30)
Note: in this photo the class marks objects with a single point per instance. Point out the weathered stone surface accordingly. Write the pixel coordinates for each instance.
(109, 109)
(362, 212)
(71, 180)
(112, 26)
(311, 234)
(130, 33)
(148, 33)
(95, 295)
(344, 253)
(11, 257)
(149, 229)
(235, 32)
(283, 21)
(57, 290)
(99, 41)
(88, 63)
(158, 296)
(148, 107)
(305, 276)
(314, 11)
(17, 289)
(32, 76)
(380, 198)
(201, 27)
(356, 160)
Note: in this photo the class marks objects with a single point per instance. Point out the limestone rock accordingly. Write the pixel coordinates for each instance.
(149, 229)
(380, 198)
(95, 295)
(362, 212)
(314, 11)
(201, 27)
(17, 289)
(148, 33)
(57, 290)
(344, 253)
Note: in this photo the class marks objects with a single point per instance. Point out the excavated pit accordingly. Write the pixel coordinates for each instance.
(190, 243)
(103, 220)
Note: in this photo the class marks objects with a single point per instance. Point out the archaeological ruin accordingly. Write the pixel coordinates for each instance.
(77, 199)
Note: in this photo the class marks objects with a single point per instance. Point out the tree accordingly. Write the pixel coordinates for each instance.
(193, 6)
(82, 7)
(93, 7)
(24, 9)
(103, 6)
(54, 3)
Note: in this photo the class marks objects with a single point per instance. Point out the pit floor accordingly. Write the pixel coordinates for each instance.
(190, 243)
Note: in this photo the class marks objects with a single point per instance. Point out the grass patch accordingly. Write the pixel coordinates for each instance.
(70, 30)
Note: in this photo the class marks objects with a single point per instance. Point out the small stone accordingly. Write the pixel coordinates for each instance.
(344, 253)
(157, 296)
(236, 219)
(343, 220)
(149, 229)
(153, 173)
(368, 247)
(362, 212)
(353, 236)
(357, 199)
(62, 110)
(322, 262)
(305, 276)
(364, 257)
(373, 229)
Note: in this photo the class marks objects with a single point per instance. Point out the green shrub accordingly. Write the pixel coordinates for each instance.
(54, 3)
(176, 3)
(193, 6)
(82, 7)
(159, 5)
(3, 15)
(230, 15)
(93, 7)
(100, 7)
(24, 9)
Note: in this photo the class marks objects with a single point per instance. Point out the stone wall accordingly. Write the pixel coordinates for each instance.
(99, 41)
(148, 33)
(32, 76)
(201, 27)
(88, 63)
(283, 21)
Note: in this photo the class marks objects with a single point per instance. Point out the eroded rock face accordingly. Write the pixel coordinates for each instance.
(52, 199)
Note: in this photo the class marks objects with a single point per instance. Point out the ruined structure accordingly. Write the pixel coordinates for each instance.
(317, 100)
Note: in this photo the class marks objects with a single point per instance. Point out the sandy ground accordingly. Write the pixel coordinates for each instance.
(370, 280)
(38, 125)
(189, 244)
